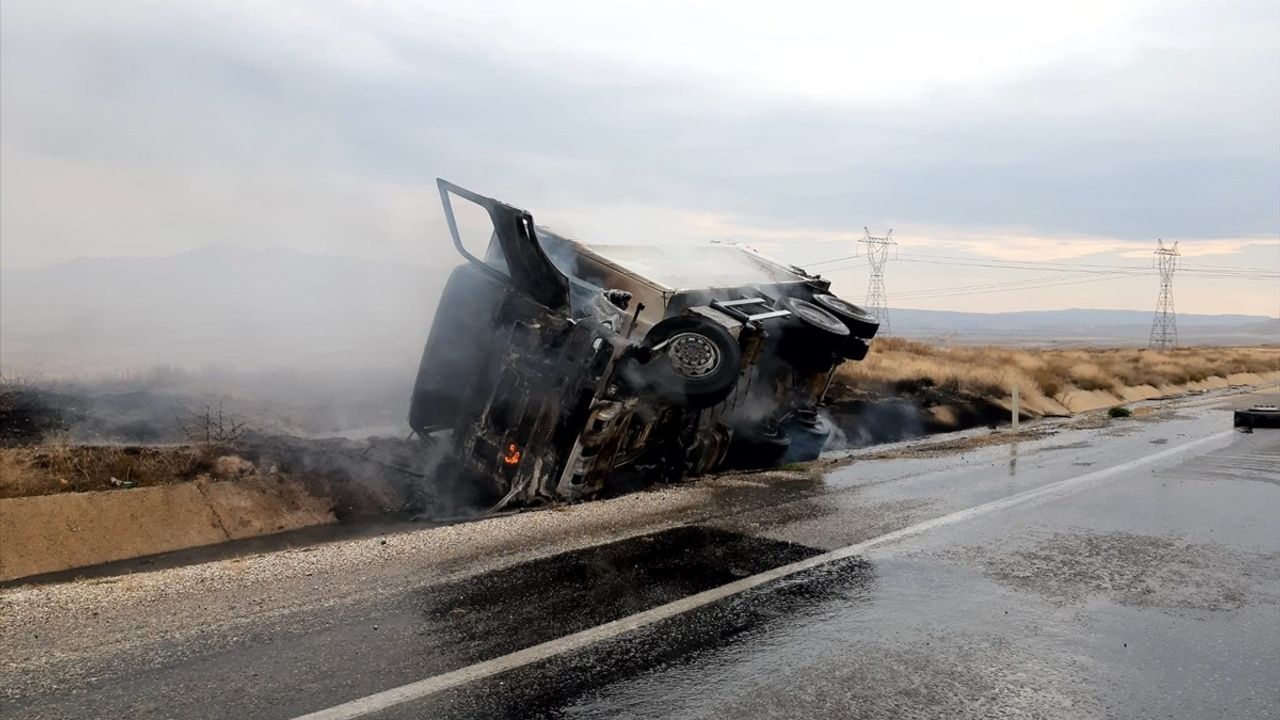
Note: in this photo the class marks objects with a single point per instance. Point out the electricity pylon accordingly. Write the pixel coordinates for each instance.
(877, 255)
(1164, 327)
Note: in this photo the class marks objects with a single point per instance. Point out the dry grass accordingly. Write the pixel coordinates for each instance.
(59, 465)
(903, 366)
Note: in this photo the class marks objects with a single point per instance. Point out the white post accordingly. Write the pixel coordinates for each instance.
(1015, 407)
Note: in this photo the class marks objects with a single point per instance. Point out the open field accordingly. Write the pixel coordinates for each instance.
(1050, 381)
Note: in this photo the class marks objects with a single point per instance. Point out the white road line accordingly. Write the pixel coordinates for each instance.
(429, 686)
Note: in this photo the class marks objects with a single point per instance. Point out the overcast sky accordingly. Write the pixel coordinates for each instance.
(1073, 132)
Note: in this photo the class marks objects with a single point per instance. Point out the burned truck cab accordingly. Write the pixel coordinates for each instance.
(554, 368)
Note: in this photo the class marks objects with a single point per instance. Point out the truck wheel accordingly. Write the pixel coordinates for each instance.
(695, 362)
(812, 339)
(861, 323)
(1263, 416)
(820, 322)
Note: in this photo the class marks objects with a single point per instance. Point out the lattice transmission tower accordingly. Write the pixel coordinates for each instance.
(1164, 327)
(878, 255)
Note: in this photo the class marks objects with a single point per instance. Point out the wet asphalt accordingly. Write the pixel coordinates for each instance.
(1154, 593)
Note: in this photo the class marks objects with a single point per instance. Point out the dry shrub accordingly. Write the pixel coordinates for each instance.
(895, 344)
(906, 366)
(91, 467)
(1089, 376)
(1248, 360)
(1047, 380)
(1131, 368)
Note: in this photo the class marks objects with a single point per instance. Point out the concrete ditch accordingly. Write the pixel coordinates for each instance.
(50, 533)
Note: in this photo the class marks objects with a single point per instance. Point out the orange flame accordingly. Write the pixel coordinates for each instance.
(513, 454)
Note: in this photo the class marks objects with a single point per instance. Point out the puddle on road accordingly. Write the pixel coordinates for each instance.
(959, 445)
(959, 676)
(564, 685)
(1134, 570)
(515, 607)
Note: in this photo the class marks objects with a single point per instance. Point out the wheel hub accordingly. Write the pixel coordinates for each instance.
(811, 315)
(817, 317)
(693, 355)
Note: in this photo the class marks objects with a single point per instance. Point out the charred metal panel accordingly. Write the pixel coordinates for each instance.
(461, 333)
(531, 399)
(528, 266)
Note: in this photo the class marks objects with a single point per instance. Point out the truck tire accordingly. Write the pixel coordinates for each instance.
(1258, 416)
(861, 323)
(812, 339)
(694, 362)
(820, 323)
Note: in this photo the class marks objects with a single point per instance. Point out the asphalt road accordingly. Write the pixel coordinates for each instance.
(1093, 568)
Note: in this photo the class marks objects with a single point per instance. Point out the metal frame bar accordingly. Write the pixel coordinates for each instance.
(730, 308)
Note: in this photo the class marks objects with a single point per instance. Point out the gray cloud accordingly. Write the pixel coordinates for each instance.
(139, 128)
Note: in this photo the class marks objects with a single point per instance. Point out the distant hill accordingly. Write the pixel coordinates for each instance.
(1079, 326)
(234, 306)
(1073, 317)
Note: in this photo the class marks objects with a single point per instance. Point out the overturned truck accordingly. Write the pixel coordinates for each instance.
(555, 368)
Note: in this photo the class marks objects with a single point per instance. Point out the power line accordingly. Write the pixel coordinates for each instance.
(1206, 271)
(1078, 265)
(1008, 286)
(1097, 269)
(1164, 326)
(842, 268)
(830, 260)
(1049, 274)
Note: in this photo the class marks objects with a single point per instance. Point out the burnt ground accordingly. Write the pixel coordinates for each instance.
(73, 438)
(914, 409)
(362, 478)
(79, 437)
(83, 437)
(167, 405)
(380, 475)
(28, 414)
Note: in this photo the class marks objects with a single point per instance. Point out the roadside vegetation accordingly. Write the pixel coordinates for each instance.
(1051, 379)
(138, 431)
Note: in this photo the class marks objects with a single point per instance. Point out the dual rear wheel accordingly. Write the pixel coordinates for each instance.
(826, 330)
